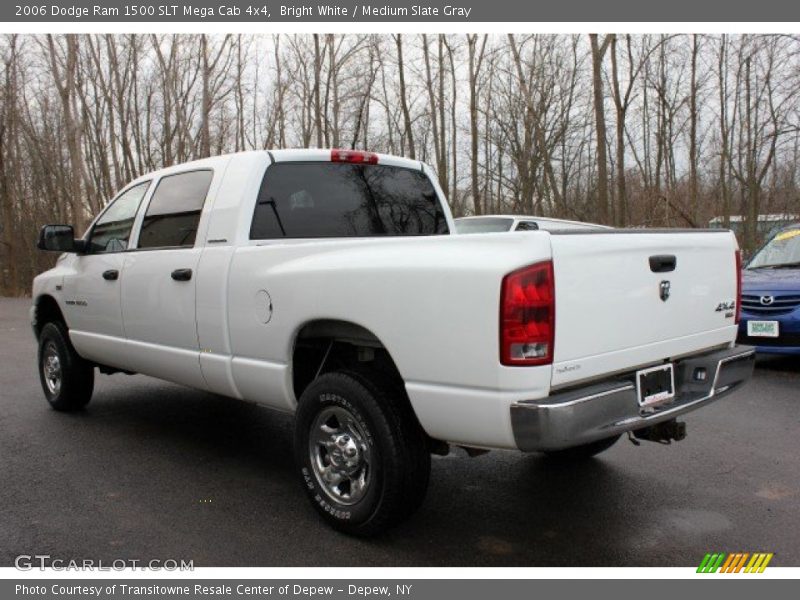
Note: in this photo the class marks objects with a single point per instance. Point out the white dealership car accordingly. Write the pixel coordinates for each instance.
(327, 284)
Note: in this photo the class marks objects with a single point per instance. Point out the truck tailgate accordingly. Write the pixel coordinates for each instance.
(620, 305)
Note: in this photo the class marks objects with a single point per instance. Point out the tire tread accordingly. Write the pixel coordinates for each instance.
(77, 382)
(406, 460)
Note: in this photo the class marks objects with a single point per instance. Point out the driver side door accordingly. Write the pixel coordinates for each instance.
(92, 301)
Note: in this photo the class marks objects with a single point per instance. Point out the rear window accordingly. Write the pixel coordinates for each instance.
(174, 212)
(323, 200)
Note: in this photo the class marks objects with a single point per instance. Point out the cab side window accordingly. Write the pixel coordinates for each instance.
(174, 213)
(113, 229)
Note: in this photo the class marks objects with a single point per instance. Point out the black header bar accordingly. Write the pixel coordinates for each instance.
(337, 11)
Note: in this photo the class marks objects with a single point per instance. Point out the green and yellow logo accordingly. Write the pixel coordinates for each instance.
(736, 562)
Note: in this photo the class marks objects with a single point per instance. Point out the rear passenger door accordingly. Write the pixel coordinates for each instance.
(158, 289)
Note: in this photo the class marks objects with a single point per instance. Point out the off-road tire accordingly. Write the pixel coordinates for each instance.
(399, 458)
(74, 385)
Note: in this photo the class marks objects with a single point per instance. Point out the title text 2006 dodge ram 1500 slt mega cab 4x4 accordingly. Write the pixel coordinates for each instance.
(330, 284)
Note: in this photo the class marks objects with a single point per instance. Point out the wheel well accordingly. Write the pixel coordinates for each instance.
(47, 311)
(329, 345)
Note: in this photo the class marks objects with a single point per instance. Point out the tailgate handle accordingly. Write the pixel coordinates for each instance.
(663, 263)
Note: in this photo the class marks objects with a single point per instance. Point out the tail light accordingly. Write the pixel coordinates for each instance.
(528, 316)
(738, 285)
(354, 156)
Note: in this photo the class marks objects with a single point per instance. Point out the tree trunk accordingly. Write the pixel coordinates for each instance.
(65, 79)
(598, 51)
(317, 90)
(409, 134)
(693, 185)
(475, 59)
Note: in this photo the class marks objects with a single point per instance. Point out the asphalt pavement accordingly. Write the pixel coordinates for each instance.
(153, 470)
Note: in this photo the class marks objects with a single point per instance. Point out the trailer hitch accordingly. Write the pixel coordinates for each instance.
(663, 433)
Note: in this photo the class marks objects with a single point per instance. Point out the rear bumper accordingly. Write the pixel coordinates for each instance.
(601, 410)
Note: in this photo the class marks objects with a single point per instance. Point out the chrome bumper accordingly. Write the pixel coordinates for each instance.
(601, 410)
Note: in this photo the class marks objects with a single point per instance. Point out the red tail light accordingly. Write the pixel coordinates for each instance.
(528, 316)
(738, 285)
(354, 156)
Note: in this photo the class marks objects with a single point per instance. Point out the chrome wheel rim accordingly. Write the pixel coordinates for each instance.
(51, 369)
(340, 455)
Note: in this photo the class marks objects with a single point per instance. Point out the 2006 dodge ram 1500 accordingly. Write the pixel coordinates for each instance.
(329, 284)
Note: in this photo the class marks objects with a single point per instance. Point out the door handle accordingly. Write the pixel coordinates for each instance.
(182, 274)
(111, 275)
(663, 263)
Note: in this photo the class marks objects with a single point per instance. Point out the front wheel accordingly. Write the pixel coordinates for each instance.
(362, 456)
(67, 379)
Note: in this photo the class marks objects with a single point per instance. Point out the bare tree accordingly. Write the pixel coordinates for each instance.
(703, 125)
(475, 59)
(64, 71)
(598, 52)
(409, 133)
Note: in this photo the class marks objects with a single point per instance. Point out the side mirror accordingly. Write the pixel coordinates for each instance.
(59, 238)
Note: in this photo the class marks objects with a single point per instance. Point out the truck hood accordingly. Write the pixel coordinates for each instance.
(772, 280)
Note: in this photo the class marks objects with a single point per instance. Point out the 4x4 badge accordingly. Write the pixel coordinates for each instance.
(664, 288)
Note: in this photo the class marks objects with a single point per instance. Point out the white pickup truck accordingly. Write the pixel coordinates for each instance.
(329, 284)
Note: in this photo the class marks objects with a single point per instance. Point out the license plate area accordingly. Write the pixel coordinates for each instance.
(655, 385)
(762, 329)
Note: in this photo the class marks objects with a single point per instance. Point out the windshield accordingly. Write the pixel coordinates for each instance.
(487, 225)
(783, 249)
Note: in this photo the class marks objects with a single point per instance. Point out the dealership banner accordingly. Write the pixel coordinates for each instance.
(416, 589)
(337, 11)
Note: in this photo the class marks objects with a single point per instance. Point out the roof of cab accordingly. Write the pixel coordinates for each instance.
(324, 154)
(278, 156)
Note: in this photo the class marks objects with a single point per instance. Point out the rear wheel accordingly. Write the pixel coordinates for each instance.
(362, 456)
(583, 452)
(67, 379)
